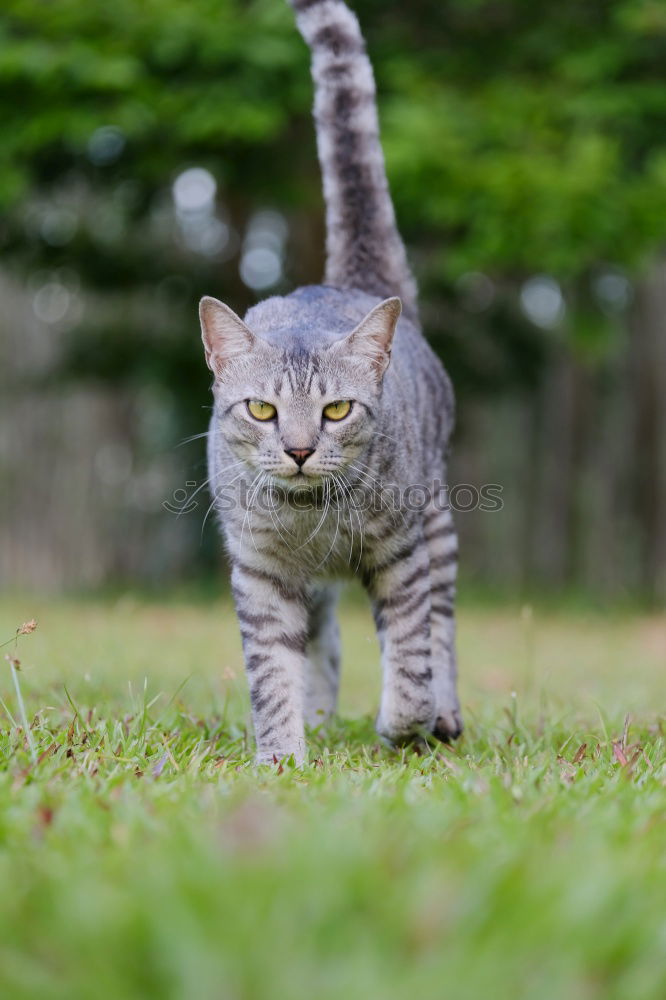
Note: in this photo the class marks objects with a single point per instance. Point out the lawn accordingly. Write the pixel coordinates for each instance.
(141, 854)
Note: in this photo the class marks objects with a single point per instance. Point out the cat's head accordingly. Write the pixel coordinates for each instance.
(291, 410)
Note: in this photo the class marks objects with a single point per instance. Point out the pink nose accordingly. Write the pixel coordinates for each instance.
(299, 455)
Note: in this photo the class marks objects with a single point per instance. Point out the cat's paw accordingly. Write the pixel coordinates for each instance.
(401, 729)
(448, 725)
(269, 758)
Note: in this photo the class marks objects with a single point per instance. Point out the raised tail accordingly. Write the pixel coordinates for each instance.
(363, 246)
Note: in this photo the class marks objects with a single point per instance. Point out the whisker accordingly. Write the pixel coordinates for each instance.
(250, 496)
(332, 545)
(214, 500)
(340, 480)
(315, 531)
(359, 521)
(193, 437)
(377, 488)
(278, 524)
(361, 535)
(387, 436)
(264, 477)
(211, 479)
(275, 516)
(361, 467)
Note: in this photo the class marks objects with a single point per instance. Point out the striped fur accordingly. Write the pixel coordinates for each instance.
(363, 246)
(346, 510)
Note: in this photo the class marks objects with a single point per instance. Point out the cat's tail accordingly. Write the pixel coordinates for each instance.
(363, 246)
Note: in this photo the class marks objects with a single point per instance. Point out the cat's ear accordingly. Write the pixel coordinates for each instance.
(373, 337)
(224, 334)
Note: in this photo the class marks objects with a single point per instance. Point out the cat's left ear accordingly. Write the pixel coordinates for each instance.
(224, 334)
(373, 337)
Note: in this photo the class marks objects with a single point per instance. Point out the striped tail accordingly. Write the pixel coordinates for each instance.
(363, 246)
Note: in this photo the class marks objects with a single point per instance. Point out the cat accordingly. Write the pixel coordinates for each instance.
(321, 396)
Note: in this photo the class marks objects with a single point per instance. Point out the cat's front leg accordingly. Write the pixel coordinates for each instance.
(400, 589)
(443, 553)
(273, 618)
(323, 663)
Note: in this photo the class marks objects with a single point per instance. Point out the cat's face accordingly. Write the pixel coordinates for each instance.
(297, 415)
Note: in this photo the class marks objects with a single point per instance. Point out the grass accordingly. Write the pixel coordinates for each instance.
(141, 855)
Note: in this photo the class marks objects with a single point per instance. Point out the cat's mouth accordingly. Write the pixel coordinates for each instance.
(298, 479)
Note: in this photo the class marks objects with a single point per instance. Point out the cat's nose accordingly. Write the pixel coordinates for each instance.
(299, 455)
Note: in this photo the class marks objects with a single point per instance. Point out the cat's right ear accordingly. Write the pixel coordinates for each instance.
(224, 334)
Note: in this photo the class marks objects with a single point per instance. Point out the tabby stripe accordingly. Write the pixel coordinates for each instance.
(336, 40)
(401, 607)
(446, 610)
(276, 724)
(261, 701)
(445, 531)
(418, 574)
(421, 628)
(279, 705)
(254, 661)
(274, 581)
(313, 371)
(421, 651)
(255, 621)
(432, 514)
(337, 73)
(420, 679)
(295, 642)
(404, 604)
(447, 559)
(403, 553)
(421, 705)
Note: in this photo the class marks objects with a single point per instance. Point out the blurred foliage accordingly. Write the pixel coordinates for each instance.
(520, 137)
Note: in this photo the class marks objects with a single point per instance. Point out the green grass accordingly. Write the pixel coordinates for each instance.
(143, 856)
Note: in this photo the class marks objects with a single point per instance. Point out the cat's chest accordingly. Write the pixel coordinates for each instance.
(322, 538)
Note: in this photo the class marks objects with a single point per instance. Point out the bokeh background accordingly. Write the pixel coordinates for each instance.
(158, 150)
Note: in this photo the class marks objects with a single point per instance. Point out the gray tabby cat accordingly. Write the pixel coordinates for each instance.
(323, 397)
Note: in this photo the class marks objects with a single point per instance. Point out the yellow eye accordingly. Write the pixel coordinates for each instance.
(261, 410)
(337, 410)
